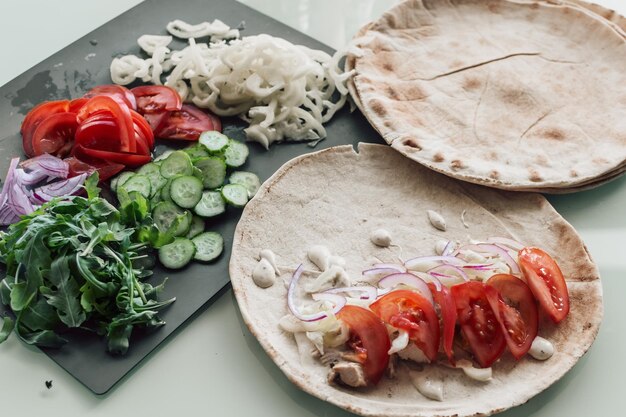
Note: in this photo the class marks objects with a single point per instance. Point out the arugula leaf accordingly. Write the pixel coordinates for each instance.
(91, 185)
(42, 338)
(39, 316)
(36, 259)
(5, 289)
(7, 328)
(118, 337)
(66, 297)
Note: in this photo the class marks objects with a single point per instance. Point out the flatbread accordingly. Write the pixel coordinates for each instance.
(337, 197)
(520, 95)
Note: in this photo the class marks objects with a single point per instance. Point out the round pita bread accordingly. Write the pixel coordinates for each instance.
(520, 95)
(336, 197)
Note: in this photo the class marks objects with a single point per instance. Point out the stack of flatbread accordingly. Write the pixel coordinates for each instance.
(524, 95)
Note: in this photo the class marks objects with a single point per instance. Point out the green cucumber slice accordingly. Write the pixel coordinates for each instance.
(178, 163)
(186, 191)
(209, 245)
(121, 179)
(139, 183)
(166, 212)
(196, 151)
(197, 227)
(153, 172)
(236, 154)
(177, 254)
(235, 194)
(213, 141)
(213, 171)
(211, 204)
(248, 179)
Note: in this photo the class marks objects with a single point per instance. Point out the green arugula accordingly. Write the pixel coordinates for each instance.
(81, 262)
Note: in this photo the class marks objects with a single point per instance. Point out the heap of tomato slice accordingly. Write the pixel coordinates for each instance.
(111, 127)
(501, 312)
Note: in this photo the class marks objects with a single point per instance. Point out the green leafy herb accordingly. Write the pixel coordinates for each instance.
(81, 262)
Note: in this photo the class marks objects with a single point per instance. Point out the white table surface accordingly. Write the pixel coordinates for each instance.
(213, 366)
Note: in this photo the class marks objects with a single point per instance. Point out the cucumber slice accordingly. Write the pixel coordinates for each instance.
(209, 245)
(153, 172)
(235, 194)
(163, 156)
(156, 199)
(197, 172)
(196, 151)
(197, 227)
(214, 141)
(139, 183)
(178, 163)
(247, 179)
(165, 190)
(236, 154)
(213, 171)
(166, 212)
(186, 191)
(211, 204)
(121, 179)
(177, 254)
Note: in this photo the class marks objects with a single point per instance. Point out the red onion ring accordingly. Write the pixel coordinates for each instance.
(338, 300)
(53, 166)
(291, 295)
(60, 188)
(370, 292)
(494, 249)
(379, 269)
(448, 271)
(448, 249)
(479, 267)
(513, 244)
(409, 279)
(423, 259)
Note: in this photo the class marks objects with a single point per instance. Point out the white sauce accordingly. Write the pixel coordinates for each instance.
(381, 237)
(428, 385)
(271, 258)
(263, 274)
(319, 255)
(541, 349)
(399, 343)
(436, 220)
(477, 374)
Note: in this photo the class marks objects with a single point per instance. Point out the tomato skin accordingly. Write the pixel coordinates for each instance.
(142, 128)
(34, 118)
(156, 98)
(443, 298)
(120, 112)
(116, 92)
(105, 169)
(76, 104)
(185, 124)
(55, 135)
(373, 337)
(516, 311)
(156, 120)
(478, 322)
(410, 311)
(545, 279)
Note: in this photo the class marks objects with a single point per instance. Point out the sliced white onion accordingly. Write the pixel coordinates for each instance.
(425, 259)
(337, 300)
(513, 244)
(494, 249)
(370, 293)
(447, 272)
(291, 295)
(411, 280)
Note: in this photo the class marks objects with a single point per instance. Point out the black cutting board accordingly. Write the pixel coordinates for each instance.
(85, 64)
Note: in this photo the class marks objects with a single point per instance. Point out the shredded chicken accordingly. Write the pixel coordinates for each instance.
(347, 373)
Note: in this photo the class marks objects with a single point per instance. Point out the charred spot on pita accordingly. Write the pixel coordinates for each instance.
(438, 157)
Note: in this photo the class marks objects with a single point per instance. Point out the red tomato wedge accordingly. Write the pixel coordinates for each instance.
(545, 279)
(478, 322)
(127, 159)
(156, 120)
(410, 311)
(55, 135)
(369, 338)
(120, 112)
(116, 92)
(447, 311)
(76, 104)
(185, 124)
(105, 169)
(143, 128)
(37, 115)
(516, 311)
(156, 98)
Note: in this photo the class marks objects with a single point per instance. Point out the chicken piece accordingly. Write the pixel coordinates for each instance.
(347, 373)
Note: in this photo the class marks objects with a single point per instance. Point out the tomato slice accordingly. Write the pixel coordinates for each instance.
(55, 135)
(447, 310)
(369, 338)
(76, 104)
(478, 322)
(37, 115)
(120, 112)
(98, 132)
(142, 127)
(105, 169)
(186, 124)
(516, 311)
(410, 311)
(156, 98)
(545, 279)
(156, 120)
(116, 92)
(127, 159)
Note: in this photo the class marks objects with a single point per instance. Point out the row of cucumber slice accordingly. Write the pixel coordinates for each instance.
(189, 185)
